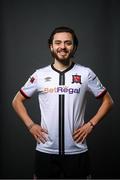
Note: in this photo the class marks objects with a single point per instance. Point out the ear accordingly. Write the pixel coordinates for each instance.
(51, 47)
(74, 49)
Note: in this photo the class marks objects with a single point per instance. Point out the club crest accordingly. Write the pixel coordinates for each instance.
(76, 79)
(32, 79)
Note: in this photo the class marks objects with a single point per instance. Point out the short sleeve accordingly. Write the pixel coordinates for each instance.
(95, 86)
(30, 87)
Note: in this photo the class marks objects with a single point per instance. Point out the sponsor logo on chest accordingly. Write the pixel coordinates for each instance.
(70, 87)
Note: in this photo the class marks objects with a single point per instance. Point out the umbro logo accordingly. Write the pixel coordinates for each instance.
(47, 79)
(76, 79)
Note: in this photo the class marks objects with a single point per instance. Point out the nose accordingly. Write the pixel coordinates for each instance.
(62, 45)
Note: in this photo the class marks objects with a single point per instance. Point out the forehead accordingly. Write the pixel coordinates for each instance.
(63, 36)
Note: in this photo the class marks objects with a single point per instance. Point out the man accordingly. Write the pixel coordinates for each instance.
(62, 88)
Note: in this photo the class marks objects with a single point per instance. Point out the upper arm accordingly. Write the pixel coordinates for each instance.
(18, 98)
(108, 99)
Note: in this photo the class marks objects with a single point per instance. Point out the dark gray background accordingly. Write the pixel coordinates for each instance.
(25, 28)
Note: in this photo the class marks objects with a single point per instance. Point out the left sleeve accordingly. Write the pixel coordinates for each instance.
(95, 86)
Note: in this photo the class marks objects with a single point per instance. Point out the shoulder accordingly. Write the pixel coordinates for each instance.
(43, 69)
(83, 69)
(40, 72)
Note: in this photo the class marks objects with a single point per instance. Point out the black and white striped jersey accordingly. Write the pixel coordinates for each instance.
(62, 99)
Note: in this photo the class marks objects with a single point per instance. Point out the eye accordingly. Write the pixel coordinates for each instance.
(68, 43)
(57, 42)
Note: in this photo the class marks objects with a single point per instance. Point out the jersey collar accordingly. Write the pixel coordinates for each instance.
(68, 69)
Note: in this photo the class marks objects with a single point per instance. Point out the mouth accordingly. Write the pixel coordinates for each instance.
(62, 52)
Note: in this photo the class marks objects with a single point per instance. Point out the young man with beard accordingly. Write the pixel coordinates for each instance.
(62, 88)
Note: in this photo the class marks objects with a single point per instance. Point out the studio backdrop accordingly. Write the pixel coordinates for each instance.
(25, 29)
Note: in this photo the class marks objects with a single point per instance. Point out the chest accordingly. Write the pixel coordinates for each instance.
(62, 83)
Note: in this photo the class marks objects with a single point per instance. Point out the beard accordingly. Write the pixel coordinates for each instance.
(64, 57)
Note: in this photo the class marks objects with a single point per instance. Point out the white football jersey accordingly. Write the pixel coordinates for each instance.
(62, 99)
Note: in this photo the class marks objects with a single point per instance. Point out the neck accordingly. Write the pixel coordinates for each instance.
(61, 66)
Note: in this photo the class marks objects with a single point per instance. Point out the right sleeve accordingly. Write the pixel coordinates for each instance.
(30, 87)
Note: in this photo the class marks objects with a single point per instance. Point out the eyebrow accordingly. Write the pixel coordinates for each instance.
(63, 41)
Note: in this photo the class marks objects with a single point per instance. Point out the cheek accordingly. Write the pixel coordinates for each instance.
(58, 49)
(55, 50)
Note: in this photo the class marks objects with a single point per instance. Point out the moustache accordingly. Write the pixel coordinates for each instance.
(62, 50)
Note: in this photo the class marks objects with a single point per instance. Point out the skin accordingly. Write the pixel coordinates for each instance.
(62, 50)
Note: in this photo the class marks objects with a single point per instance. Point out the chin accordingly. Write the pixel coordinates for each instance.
(64, 61)
(60, 58)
